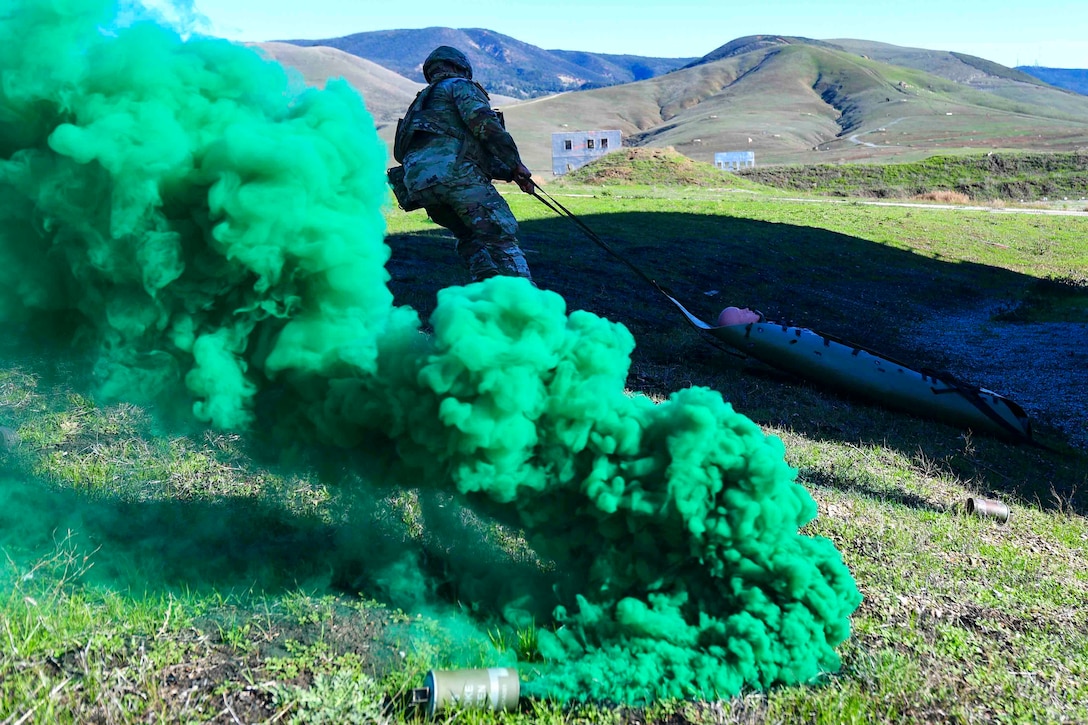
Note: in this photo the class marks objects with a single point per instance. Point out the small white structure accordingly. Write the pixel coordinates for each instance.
(574, 149)
(733, 160)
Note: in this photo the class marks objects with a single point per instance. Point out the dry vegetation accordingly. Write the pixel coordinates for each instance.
(944, 197)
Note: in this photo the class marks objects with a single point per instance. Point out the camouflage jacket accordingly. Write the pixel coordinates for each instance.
(454, 135)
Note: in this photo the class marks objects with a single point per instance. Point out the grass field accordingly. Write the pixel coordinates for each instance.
(1019, 177)
(184, 575)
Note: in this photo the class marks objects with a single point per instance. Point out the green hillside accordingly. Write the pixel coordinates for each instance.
(1021, 176)
(654, 167)
(802, 103)
(954, 66)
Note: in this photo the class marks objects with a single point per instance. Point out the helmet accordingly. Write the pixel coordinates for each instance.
(446, 54)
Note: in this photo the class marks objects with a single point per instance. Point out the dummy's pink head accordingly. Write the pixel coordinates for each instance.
(737, 316)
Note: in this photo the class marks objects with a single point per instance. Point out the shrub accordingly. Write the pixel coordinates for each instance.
(945, 196)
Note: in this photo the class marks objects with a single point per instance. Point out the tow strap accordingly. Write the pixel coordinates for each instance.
(561, 210)
(969, 392)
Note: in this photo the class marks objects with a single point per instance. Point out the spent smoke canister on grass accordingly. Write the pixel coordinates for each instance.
(988, 508)
(209, 227)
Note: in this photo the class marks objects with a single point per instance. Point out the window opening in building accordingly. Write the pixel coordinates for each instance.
(568, 145)
(604, 143)
(589, 143)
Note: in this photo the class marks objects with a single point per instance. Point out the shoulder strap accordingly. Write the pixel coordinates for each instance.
(405, 127)
(418, 119)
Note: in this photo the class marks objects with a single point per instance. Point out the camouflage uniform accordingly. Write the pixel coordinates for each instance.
(449, 175)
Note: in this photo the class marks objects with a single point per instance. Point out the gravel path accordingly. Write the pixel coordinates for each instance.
(1043, 366)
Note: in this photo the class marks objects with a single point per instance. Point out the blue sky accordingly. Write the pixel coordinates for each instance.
(1049, 34)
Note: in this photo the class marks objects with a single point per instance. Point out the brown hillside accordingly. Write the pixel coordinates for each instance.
(798, 102)
(801, 103)
(386, 93)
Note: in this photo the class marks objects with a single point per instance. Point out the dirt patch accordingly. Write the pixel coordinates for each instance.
(195, 688)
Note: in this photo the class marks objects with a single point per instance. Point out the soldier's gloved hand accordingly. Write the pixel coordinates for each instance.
(522, 178)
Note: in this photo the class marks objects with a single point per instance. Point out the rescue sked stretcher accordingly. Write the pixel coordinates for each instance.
(855, 369)
(844, 365)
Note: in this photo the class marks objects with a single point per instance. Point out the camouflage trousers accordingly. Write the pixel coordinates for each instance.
(483, 224)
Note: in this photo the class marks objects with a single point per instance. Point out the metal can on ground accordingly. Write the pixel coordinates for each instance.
(988, 508)
(494, 688)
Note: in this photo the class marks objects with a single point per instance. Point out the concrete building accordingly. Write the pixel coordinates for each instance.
(573, 149)
(733, 160)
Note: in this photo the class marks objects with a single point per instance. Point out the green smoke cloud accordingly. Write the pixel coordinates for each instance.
(207, 224)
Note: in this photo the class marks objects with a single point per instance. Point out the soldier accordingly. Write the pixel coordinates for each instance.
(452, 144)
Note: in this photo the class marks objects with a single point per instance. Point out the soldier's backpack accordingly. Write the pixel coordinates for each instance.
(405, 199)
(415, 121)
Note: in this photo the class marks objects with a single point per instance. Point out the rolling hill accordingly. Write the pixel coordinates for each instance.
(387, 94)
(793, 101)
(788, 99)
(976, 72)
(502, 64)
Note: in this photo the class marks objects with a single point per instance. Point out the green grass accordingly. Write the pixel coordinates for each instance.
(1003, 176)
(964, 619)
(635, 167)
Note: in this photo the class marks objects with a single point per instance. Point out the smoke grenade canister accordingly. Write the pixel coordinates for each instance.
(988, 508)
(495, 688)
